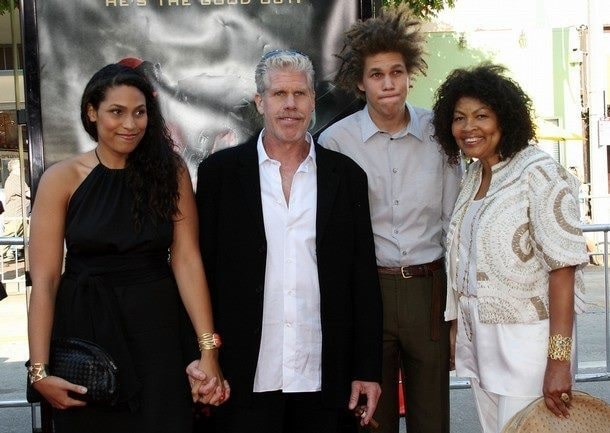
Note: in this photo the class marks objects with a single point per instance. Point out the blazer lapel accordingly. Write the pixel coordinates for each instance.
(250, 181)
(328, 182)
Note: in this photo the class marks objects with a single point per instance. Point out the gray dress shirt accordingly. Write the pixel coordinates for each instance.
(412, 187)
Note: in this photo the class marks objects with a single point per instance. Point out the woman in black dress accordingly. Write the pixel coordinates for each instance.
(127, 214)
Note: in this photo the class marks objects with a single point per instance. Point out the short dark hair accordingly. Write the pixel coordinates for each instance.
(394, 31)
(152, 168)
(487, 83)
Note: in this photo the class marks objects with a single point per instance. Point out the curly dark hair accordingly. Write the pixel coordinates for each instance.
(152, 168)
(487, 83)
(394, 31)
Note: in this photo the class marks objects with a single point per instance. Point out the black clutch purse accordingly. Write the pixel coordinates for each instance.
(83, 363)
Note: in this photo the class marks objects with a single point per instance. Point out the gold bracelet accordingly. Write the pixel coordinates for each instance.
(209, 341)
(560, 347)
(37, 371)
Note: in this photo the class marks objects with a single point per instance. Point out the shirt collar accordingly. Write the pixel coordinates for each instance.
(369, 128)
(262, 153)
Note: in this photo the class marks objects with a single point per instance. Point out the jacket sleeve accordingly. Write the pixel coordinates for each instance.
(367, 306)
(558, 241)
(554, 218)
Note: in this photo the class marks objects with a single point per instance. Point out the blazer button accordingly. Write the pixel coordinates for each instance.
(262, 249)
(260, 288)
(256, 330)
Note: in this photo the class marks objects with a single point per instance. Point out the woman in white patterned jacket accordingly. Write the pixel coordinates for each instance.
(515, 251)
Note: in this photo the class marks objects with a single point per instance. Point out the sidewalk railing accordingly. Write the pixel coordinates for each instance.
(12, 271)
(34, 412)
(603, 229)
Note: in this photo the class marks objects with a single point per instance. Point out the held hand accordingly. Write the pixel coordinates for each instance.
(55, 390)
(372, 390)
(196, 377)
(207, 383)
(557, 387)
(201, 386)
(215, 391)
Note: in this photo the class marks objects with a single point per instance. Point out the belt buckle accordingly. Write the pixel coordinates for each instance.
(404, 271)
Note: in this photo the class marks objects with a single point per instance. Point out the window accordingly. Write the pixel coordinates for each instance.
(551, 145)
(8, 130)
(6, 57)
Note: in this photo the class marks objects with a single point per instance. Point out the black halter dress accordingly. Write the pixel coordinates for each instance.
(118, 291)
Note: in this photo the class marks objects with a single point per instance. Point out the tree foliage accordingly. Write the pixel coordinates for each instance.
(425, 9)
(5, 6)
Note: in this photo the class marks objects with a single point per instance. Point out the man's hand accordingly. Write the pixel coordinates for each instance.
(372, 390)
(206, 389)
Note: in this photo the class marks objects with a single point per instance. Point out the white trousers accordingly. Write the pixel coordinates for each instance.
(496, 410)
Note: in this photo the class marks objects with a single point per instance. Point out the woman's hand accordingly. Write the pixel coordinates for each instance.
(557, 382)
(55, 390)
(208, 386)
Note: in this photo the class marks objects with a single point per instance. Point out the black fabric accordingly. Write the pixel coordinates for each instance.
(277, 412)
(118, 291)
(100, 308)
(234, 249)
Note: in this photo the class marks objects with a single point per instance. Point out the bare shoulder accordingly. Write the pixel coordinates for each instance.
(182, 168)
(64, 177)
(184, 176)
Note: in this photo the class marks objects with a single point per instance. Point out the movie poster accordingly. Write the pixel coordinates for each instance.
(199, 54)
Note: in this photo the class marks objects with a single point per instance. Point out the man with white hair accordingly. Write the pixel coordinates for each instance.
(287, 243)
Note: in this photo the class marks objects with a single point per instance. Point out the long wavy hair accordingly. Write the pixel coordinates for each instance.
(152, 168)
(394, 31)
(487, 83)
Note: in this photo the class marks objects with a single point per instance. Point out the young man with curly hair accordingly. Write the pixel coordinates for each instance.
(412, 190)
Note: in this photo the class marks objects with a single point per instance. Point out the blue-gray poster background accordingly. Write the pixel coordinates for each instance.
(202, 56)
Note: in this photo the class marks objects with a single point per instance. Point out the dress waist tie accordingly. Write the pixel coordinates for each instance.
(95, 302)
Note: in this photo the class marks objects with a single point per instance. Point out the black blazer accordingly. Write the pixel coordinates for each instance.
(234, 250)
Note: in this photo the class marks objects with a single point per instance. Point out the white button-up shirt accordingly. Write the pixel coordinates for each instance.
(291, 341)
(412, 188)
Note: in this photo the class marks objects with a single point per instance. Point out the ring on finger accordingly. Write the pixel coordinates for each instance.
(565, 397)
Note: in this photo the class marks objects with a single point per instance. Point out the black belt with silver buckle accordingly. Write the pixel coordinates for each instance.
(423, 270)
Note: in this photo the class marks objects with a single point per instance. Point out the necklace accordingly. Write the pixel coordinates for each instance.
(108, 167)
(97, 156)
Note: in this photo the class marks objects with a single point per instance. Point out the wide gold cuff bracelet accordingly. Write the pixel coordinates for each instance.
(560, 347)
(37, 371)
(209, 341)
